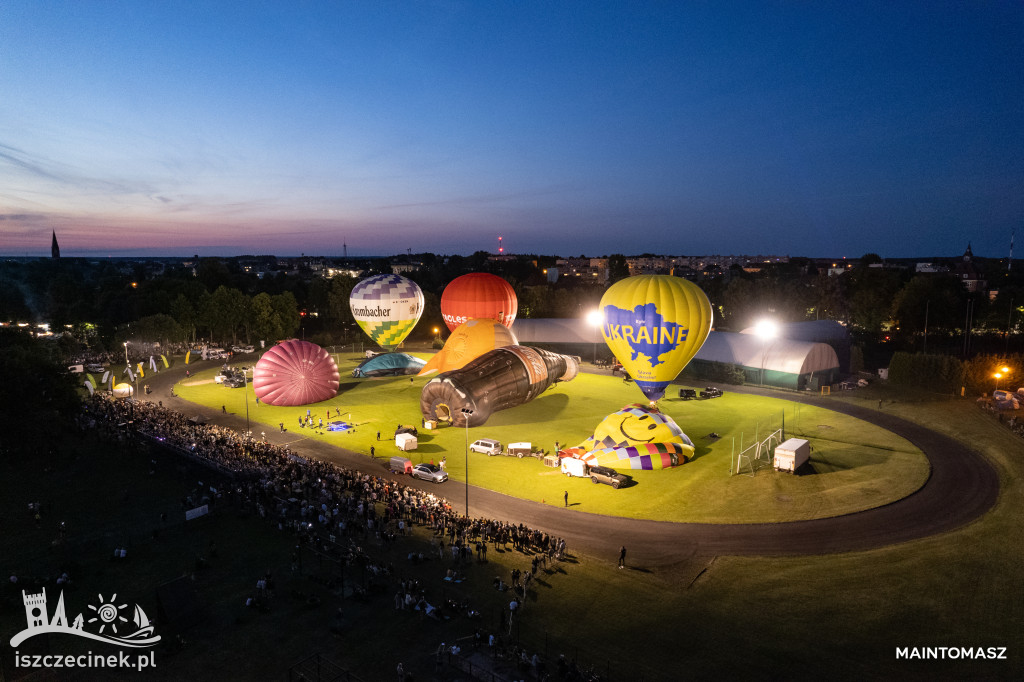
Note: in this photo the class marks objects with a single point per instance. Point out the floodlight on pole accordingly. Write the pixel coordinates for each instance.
(245, 387)
(766, 330)
(997, 377)
(466, 414)
(127, 364)
(595, 318)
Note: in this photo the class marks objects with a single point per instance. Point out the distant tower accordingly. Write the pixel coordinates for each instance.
(35, 608)
(501, 249)
(54, 249)
(344, 250)
(1009, 263)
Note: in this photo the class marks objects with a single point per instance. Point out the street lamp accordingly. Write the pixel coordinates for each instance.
(1003, 372)
(766, 330)
(466, 414)
(126, 363)
(595, 318)
(245, 387)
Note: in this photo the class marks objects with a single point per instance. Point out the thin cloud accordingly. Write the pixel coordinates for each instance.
(482, 199)
(48, 170)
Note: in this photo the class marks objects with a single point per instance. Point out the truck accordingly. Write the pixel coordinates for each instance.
(789, 456)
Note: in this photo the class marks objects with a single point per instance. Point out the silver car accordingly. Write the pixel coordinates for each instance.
(430, 472)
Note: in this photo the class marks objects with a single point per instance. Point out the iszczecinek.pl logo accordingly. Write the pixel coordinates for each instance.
(107, 617)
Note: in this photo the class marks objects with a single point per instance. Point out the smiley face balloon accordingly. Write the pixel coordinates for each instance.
(655, 324)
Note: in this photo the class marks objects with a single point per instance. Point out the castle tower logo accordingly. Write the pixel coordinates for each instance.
(108, 618)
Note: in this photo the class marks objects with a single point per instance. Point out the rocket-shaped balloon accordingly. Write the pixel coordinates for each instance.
(497, 380)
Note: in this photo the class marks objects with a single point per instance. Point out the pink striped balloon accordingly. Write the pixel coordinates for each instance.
(295, 373)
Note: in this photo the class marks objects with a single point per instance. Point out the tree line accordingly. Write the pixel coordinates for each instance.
(105, 302)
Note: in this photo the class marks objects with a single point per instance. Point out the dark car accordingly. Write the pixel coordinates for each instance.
(687, 393)
(711, 392)
(608, 476)
(430, 472)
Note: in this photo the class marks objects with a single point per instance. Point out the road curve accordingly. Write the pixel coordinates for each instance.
(961, 488)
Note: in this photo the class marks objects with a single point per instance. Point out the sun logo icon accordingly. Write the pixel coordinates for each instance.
(107, 614)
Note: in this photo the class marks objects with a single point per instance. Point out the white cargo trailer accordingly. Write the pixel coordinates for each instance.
(791, 454)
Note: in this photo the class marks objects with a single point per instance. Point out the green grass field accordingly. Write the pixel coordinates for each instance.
(857, 465)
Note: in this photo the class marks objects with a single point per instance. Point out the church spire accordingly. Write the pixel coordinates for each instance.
(54, 249)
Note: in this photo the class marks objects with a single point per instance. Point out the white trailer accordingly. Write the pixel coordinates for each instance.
(789, 456)
(405, 442)
(575, 467)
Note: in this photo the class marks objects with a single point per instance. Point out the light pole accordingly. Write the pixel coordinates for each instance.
(595, 318)
(766, 330)
(245, 387)
(126, 363)
(466, 414)
(997, 377)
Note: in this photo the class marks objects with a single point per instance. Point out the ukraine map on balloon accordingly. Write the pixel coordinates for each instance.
(655, 324)
(645, 331)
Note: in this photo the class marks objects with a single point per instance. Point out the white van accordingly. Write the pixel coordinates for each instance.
(486, 446)
(575, 467)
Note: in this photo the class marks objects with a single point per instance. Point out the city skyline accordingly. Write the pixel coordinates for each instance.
(220, 129)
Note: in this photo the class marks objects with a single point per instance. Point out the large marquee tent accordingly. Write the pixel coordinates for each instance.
(786, 363)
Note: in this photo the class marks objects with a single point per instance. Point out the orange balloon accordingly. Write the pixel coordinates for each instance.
(478, 296)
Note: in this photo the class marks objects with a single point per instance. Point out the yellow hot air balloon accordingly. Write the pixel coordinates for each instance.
(655, 324)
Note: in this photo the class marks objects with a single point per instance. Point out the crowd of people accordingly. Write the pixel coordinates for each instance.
(332, 509)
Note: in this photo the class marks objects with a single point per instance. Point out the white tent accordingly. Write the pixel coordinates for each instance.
(783, 362)
(555, 330)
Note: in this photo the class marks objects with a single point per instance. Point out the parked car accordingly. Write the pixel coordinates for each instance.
(608, 476)
(711, 392)
(94, 368)
(430, 472)
(687, 393)
(486, 446)
(242, 349)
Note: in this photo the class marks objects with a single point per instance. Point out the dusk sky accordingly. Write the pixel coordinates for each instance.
(686, 128)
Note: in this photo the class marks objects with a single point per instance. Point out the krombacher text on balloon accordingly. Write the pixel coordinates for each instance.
(497, 380)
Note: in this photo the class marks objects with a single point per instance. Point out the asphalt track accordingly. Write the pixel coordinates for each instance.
(961, 488)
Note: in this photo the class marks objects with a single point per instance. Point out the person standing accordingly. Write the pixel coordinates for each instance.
(566, 498)
(622, 557)
(372, 452)
(378, 435)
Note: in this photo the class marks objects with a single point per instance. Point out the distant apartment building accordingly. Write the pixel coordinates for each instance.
(592, 269)
(403, 268)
